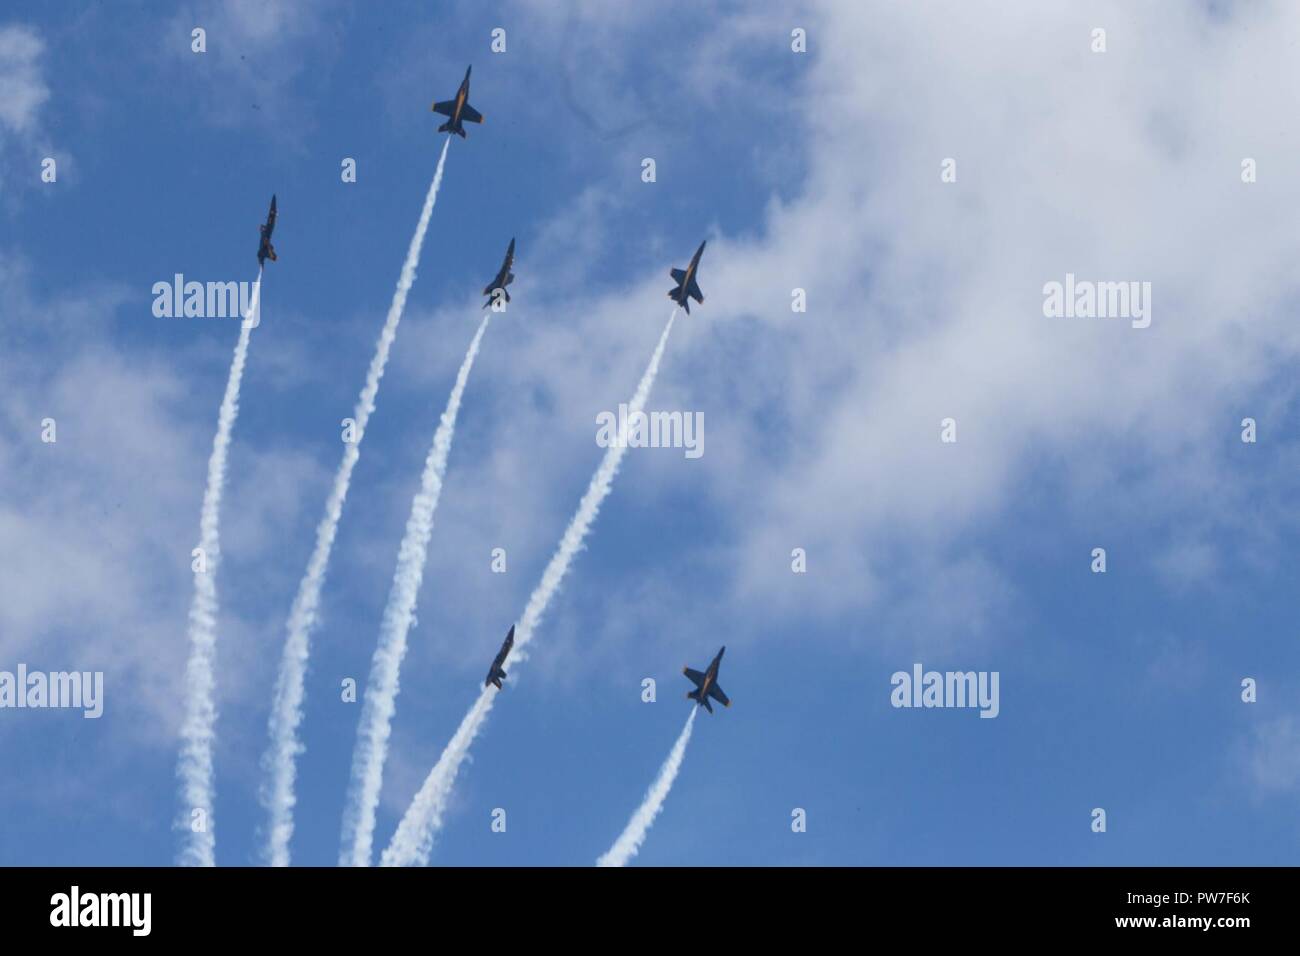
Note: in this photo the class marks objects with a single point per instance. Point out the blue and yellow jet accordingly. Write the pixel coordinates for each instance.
(687, 288)
(264, 248)
(458, 110)
(706, 684)
(496, 673)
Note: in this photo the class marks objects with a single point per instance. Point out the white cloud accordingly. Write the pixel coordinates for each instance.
(1274, 755)
(24, 94)
(256, 53)
(22, 82)
(925, 298)
(97, 527)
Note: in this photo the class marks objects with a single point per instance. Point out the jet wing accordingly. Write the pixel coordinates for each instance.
(468, 112)
(694, 675)
(716, 693)
(677, 274)
(445, 107)
(694, 292)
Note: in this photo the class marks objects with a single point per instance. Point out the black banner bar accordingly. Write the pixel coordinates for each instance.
(330, 905)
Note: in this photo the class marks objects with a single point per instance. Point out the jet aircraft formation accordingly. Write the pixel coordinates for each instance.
(459, 111)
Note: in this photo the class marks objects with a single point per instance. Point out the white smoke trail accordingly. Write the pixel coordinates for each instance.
(199, 727)
(413, 841)
(287, 704)
(633, 835)
(381, 693)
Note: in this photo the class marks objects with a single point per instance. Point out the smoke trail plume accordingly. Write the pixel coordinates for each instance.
(381, 693)
(633, 835)
(199, 727)
(413, 841)
(287, 703)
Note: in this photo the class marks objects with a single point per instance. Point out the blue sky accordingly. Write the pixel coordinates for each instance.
(818, 171)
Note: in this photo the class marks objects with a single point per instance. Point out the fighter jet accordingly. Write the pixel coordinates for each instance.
(503, 278)
(495, 673)
(458, 110)
(686, 286)
(265, 250)
(706, 684)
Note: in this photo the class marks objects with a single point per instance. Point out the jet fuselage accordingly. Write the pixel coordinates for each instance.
(264, 248)
(496, 673)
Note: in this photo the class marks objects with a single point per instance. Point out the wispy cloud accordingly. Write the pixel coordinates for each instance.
(255, 58)
(23, 90)
(24, 94)
(1274, 755)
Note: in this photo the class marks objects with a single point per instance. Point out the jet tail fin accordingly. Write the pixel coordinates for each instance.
(695, 696)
